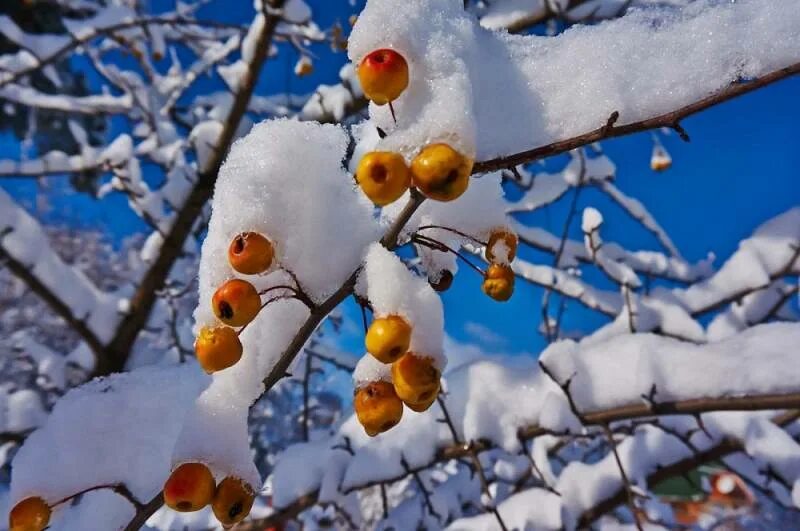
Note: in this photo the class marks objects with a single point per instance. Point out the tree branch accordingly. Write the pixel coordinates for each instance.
(611, 130)
(724, 448)
(598, 419)
(61, 308)
(116, 353)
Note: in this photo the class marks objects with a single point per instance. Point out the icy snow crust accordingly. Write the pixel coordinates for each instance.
(490, 93)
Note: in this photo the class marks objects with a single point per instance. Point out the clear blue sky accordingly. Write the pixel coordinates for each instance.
(739, 170)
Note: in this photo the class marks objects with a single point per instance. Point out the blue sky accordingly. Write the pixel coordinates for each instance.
(739, 170)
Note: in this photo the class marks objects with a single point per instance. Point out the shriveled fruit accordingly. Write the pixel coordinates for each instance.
(502, 246)
(232, 501)
(415, 378)
(377, 407)
(444, 281)
(498, 282)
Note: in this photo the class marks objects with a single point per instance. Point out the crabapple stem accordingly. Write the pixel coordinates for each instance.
(439, 246)
(455, 231)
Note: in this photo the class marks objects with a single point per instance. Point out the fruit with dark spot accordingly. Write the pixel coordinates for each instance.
(377, 407)
(250, 253)
(415, 378)
(388, 338)
(232, 501)
(440, 172)
(419, 407)
(236, 302)
(383, 176)
(189, 488)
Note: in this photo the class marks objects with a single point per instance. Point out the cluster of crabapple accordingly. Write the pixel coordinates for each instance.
(440, 173)
(498, 282)
(415, 377)
(235, 303)
(191, 487)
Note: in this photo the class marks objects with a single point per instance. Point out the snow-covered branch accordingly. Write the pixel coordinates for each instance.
(25, 251)
(609, 130)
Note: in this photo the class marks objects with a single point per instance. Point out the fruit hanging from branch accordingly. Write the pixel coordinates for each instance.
(30, 514)
(442, 283)
(424, 405)
(217, 348)
(236, 302)
(388, 338)
(250, 253)
(189, 488)
(377, 407)
(383, 176)
(440, 172)
(232, 502)
(383, 75)
(415, 378)
(502, 247)
(498, 282)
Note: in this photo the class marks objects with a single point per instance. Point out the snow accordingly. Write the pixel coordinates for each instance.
(490, 398)
(25, 242)
(767, 444)
(645, 63)
(21, 411)
(215, 429)
(531, 509)
(770, 251)
(96, 432)
(369, 370)
(334, 101)
(592, 219)
(101, 509)
(79, 104)
(393, 289)
(544, 188)
(610, 373)
(273, 182)
(645, 262)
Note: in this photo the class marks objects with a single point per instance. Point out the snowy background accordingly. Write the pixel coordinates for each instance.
(115, 118)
